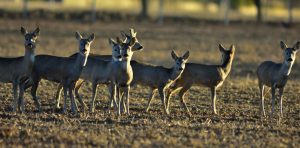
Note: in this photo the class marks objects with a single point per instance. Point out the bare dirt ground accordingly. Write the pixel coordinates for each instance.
(238, 123)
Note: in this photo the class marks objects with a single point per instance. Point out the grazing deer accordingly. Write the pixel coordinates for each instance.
(275, 75)
(64, 70)
(211, 76)
(158, 77)
(122, 74)
(17, 70)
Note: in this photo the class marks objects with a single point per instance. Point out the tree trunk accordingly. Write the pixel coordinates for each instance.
(144, 10)
(290, 7)
(258, 8)
(93, 14)
(160, 12)
(25, 9)
(227, 9)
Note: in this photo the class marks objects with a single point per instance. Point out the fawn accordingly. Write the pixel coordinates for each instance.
(275, 75)
(211, 76)
(64, 70)
(17, 70)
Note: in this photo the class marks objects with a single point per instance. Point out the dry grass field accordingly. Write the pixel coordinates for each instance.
(238, 123)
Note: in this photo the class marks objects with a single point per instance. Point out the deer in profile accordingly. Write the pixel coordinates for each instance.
(17, 70)
(122, 73)
(158, 77)
(211, 76)
(63, 70)
(275, 75)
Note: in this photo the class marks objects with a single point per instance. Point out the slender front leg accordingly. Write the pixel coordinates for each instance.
(161, 92)
(151, 96)
(213, 99)
(57, 96)
(127, 90)
(33, 94)
(21, 97)
(280, 97)
(65, 98)
(181, 94)
(78, 96)
(94, 91)
(73, 102)
(262, 105)
(273, 100)
(15, 93)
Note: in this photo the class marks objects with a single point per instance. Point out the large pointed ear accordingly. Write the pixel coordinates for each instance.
(186, 55)
(232, 48)
(36, 32)
(283, 45)
(221, 48)
(132, 32)
(78, 35)
(174, 55)
(92, 37)
(23, 31)
(119, 41)
(127, 37)
(112, 42)
(132, 41)
(296, 46)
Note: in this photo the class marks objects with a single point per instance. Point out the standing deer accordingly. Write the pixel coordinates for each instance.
(17, 70)
(211, 76)
(275, 75)
(158, 77)
(122, 74)
(64, 70)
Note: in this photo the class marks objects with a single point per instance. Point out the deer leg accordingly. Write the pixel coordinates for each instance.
(78, 96)
(127, 90)
(57, 96)
(113, 89)
(119, 94)
(273, 99)
(213, 99)
(94, 90)
(161, 92)
(73, 102)
(21, 97)
(65, 87)
(181, 94)
(15, 93)
(262, 105)
(151, 96)
(33, 94)
(280, 97)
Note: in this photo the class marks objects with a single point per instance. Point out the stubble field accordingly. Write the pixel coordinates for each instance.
(238, 122)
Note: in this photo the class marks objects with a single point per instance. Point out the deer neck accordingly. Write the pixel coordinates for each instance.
(80, 62)
(174, 74)
(286, 68)
(226, 65)
(29, 58)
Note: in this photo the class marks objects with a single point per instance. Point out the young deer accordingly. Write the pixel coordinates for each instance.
(96, 71)
(158, 77)
(122, 74)
(211, 76)
(275, 75)
(17, 70)
(64, 70)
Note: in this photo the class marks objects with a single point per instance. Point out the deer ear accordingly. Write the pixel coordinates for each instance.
(174, 55)
(119, 41)
(37, 31)
(186, 55)
(78, 35)
(221, 48)
(296, 46)
(23, 31)
(283, 45)
(112, 42)
(92, 37)
(132, 41)
(132, 33)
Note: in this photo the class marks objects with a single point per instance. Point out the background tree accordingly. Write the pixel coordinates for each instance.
(258, 8)
(144, 10)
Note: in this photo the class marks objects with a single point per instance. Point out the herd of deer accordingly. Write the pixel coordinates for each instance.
(120, 72)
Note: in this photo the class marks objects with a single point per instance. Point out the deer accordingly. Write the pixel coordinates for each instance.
(122, 74)
(63, 70)
(95, 74)
(18, 70)
(275, 75)
(211, 76)
(158, 77)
